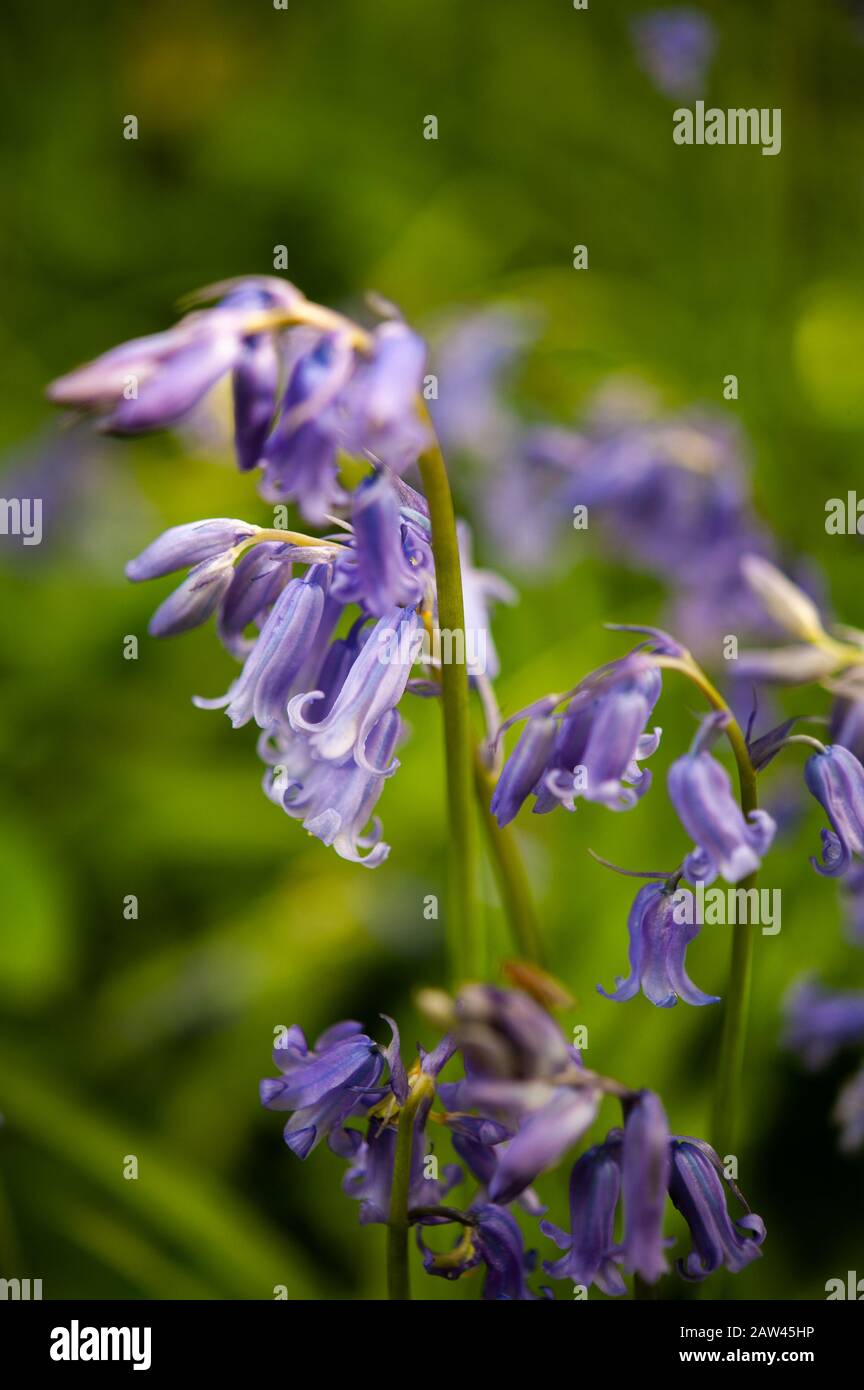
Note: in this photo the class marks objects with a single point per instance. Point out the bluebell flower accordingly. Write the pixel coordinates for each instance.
(662, 923)
(324, 1085)
(255, 382)
(337, 398)
(591, 750)
(589, 1245)
(645, 1171)
(491, 1238)
(639, 1164)
(504, 1033)
(345, 389)
(475, 1139)
(701, 792)
(181, 547)
(210, 549)
(675, 47)
(335, 801)
(279, 655)
(196, 599)
(260, 575)
(821, 1022)
(299, 458)
(389, 563)
(606, 768)
(377, 410)
(836, 779)
(152, 382)
(697, 1189)
(670, 495)
(523, 771)
(371, 1157)
(373, 685)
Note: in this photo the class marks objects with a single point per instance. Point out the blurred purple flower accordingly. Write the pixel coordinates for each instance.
(675, 48)
(849, 1114)
(821, 1022)
(836, 778)
(150, 383)
(337, 398)
(522, 1073)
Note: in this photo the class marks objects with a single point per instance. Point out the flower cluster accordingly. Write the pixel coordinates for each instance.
(328, 628)
(526, 1101)
(307, 384)
(589, 744)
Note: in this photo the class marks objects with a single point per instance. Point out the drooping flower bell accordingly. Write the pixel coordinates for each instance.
(324, 1085)
(662, 923)
(369, 1179)
(645, 1171)
(373, 685)
(280, 654)
(589, 1245)
(590, 751)
(727, 843)
(697, 1190)
(335, 801)
(152, 382)
(633, 1164)
(836, 778)
(389, 564)
(339, 395)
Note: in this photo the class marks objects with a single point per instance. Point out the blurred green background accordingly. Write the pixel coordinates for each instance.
(260, 127)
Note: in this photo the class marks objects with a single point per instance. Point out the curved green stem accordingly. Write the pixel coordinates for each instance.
(733, 1039)
(398, 1269)
(509, 870)
(463, 923)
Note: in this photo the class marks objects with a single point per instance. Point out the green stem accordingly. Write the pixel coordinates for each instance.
(463, 922)
(733, 1040)
(509, 870)
(398, 1269)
